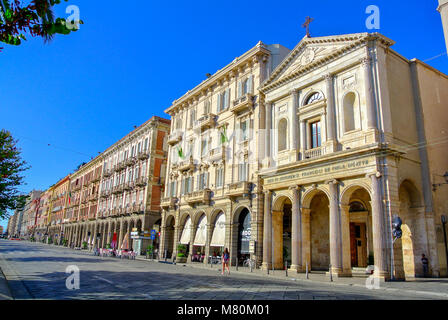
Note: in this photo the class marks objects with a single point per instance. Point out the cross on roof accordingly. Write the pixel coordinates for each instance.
(306, 25)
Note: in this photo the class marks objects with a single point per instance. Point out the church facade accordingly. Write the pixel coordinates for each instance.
(355, 137)
(301, 159)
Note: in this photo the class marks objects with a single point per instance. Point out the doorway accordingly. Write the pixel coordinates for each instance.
(358, 244)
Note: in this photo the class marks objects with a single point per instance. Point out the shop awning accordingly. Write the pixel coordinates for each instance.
(201, 232)
(219, 232)
(186, 232)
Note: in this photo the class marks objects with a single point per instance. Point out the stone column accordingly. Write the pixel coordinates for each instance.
(302, 138)
(192, 234)
(177, 229)
(296, 232)
(345, 228)
(331, 118)
(268, 127)
(378, 228)
(267, 232)
(370, 100)
(294, 143)
(109, 233)
(335, 229)
(306, 238)
(207, 242)
(432, 244)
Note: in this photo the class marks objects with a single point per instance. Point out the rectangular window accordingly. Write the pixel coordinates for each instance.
(315, 135)
(219, 177)
(204, 147)
(242, 171)
(244, 131)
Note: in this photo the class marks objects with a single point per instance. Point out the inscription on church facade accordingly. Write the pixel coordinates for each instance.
(324, 170)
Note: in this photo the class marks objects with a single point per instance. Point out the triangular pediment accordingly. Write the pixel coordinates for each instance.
(312, 51)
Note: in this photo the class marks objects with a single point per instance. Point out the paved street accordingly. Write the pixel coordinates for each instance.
(37, 271)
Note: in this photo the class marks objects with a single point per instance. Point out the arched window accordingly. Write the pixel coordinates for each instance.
(316, 96)
(350, 109)
(282, 134)
(357, 206)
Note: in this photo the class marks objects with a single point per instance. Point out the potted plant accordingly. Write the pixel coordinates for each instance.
(50, 240)
(149, 251)
(55, 241)
(108, 246)
(181, 253)
(84, 244)
(65, 242)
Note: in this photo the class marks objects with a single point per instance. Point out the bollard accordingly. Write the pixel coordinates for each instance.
(286, 268)
(251, 267)
(307, 270)
(331, 274)
(236, 264)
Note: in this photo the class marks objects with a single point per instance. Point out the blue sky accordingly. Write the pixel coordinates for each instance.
(72, 98)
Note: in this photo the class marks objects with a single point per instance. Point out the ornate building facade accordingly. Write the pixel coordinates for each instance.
(58, 205)
(212, 197)
(357, 136)
(120, 189)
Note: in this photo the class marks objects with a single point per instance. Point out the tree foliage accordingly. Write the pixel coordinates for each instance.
(36, 18)
(11, 168)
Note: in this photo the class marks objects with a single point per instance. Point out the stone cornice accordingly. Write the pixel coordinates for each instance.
(226, 74)
(357, 40)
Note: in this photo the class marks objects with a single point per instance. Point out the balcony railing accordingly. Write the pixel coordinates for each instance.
(96, 178)
(174, 137)
(128, 186)
(107, 173)
(206, 121)
(185, 164)
(119, 166)
(168, 202)
(218, 153)
(314, 153)
(131, 161)
(93, 197)
(143, 155)
(117, 189)
(238, 188)
(105, 193)
(141, 182)
(243, 103)
(201, 196)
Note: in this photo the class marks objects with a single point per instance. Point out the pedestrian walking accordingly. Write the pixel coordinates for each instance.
(425, 265)
(225, 261)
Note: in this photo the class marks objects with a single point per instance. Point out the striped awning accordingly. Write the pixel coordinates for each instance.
(201, 232)
(219, 232)
(186, 232)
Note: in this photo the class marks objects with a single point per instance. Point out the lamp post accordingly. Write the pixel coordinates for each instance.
(443, 218)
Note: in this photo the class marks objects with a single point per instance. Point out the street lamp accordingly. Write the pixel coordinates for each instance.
(435, 185)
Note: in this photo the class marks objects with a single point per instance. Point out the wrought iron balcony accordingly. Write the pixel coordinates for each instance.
(141, 181)
(201, 196)
(107, 173)
(128, 186)
(131, 161)
(96, 178)
(119, 166)
(93, 197)
(174, 137)
(206, 121)
(105, 193)
(238, 189)
(243, 103)
(117, 189)
(143, 155)
(137, 208)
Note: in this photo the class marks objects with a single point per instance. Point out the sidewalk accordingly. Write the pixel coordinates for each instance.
(433, 287)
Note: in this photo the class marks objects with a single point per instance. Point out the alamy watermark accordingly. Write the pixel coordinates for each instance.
(373, 20)
(72, 281)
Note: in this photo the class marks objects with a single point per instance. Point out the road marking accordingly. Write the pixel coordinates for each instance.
(99, 278)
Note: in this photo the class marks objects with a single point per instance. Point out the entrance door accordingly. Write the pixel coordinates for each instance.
(358, 244)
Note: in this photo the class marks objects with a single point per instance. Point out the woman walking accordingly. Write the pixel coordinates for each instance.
(225, 261)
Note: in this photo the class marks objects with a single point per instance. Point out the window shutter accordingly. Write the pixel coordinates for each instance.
(228, 98)
(218, 106)
(240, 89)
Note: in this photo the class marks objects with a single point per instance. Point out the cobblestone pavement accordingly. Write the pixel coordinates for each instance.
(38, 271)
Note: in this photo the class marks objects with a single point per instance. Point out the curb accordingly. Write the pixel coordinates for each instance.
(5, 292)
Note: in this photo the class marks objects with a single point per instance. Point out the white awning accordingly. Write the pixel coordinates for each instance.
(201, 232)
(219, 232)
(185, 238)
